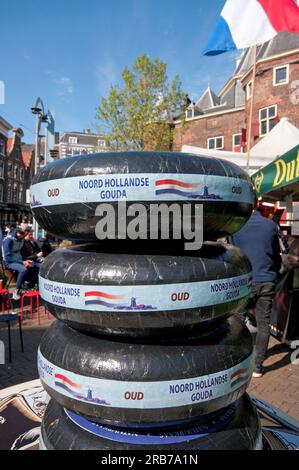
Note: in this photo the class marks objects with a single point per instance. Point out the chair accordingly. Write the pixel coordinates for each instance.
(8, 319)
(4, 293)
(34, 294)
(9, 274)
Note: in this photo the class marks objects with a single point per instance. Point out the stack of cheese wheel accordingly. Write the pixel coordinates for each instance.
(146, 343)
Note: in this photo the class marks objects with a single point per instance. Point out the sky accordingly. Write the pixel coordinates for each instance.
(69, 52)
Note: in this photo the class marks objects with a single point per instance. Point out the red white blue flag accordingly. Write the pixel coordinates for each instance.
(244, 23)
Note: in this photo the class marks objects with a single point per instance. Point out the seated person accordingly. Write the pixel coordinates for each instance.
(46, 246)
(30, 249)
(12, 258)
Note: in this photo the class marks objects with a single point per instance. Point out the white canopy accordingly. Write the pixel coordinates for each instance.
(283, 137)
(238, 158)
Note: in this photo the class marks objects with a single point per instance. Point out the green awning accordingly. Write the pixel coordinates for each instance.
(280, 178)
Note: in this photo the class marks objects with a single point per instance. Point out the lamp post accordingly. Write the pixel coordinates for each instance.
(41, 116)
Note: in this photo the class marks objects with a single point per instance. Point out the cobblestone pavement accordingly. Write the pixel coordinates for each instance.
(279, 385)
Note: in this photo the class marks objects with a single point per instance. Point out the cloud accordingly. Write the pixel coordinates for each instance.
(65, 86)
(106, 75)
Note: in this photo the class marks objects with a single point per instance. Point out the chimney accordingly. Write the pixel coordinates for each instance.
(17, 135)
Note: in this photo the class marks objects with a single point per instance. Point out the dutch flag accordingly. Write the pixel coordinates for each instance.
(102, 298)
(179, 188)
(244, 23)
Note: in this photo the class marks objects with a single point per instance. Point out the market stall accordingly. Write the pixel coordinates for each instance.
(279, 181)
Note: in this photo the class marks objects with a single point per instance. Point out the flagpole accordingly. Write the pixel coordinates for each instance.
(251, 107)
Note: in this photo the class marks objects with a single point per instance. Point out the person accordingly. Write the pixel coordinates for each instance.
(31, 249)
(12, 258)
(258, 239)
(46, 245)
(24, 225)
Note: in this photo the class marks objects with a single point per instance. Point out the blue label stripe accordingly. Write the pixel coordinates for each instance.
(184, 435)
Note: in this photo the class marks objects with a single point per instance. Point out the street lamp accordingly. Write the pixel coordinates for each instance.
(41, 117)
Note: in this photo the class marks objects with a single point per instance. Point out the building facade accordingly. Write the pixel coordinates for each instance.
(71, 144)
(14, 176)
(221, 121)
(5, 127)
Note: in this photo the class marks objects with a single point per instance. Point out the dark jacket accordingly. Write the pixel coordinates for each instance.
(11, 249)
(259, 241)
(29, 250)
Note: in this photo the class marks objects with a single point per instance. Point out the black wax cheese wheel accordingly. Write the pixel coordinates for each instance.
(65, 194)
(133, 383)
(145, 294)
(235, 428)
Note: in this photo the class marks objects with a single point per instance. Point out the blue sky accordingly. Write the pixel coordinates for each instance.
(68, 52)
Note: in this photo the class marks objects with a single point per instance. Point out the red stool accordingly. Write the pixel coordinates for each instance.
(34, 294)
(5, 299)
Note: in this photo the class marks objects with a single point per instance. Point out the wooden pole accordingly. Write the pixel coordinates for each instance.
(251, 107)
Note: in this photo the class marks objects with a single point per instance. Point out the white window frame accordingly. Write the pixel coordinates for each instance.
(249, 90)
(192, 113)
(73, 140)
(101, 143)
(267, 119)
(215, 139)
(233, 141)
(287, 67)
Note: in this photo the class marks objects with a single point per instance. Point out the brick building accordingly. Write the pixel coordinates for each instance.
(220, 121)
(71, 144)
(15, 176)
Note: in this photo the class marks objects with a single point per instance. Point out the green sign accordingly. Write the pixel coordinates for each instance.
(283, 171)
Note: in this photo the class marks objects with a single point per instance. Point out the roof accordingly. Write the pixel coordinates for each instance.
(281, 43)
(84, 138)
(208, 100)
(4, 126)
(27, 153)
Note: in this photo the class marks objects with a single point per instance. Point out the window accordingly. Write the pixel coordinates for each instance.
(73, 140)
(16, 172)
(281, 75)
(9, 192)
(15, 192)
(2, 147)
(101, 143)
(22, 174)
(69, 151)
(237, 142)
(9, 169)
(216, 143)
(1, 169)
(21, 191)
(249, 90)
(1, 193)
(189, 113)
(267, 119)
